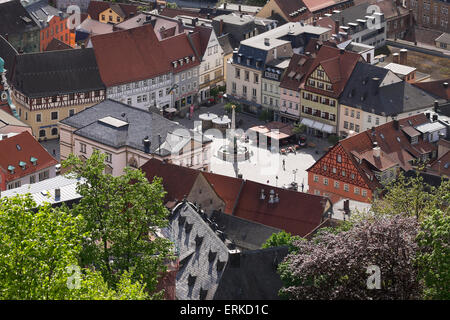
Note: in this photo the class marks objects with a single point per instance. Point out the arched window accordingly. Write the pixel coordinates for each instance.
(41, 133)
(54, 131)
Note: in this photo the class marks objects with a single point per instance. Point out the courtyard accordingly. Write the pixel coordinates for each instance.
(263, 166)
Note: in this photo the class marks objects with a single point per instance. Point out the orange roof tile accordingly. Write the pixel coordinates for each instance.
(19, 148)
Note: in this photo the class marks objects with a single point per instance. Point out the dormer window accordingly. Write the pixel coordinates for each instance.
(33, 160)
(175, 64)
(22, 165)
(187, 59)
(11, 169)
(181, 62)
(193, 58)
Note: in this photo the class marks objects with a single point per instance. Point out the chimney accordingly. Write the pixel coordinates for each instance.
(347, 206)
(267, 41)
(221, 27)
(57, 194)
(404, 56)
(240, 8)
(376, 150)
(395, 123)
(336, 27)
(146, 144)
(436, 106)
(395, 58)
(428, 115)
(435, 117)
(225, 6)
(234, 258)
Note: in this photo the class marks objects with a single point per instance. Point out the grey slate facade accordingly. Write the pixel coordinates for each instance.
(211, 266)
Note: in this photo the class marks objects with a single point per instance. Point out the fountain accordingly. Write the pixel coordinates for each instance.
(232, 151)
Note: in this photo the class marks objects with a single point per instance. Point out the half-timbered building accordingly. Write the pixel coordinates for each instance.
(322, 86)
(359, 166)
(51, 86)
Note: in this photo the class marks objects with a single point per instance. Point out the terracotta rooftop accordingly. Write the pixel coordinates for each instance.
(437, 88)
(21, 149)
(136, 50)
(288, 7)
(338, 65)
(296, 212)
(296, 71)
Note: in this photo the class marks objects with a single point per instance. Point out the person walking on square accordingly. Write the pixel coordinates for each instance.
(284, 164)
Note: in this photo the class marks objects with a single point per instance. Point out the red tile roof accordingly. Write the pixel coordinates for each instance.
(436, 88)
(298, 213)
(173, 12)
(131, 55)
(96, 7)
(179, 47)
(290, 6)
(395, 148)
(204, 35)
(296, 71)
(338, 65)
(22, 147)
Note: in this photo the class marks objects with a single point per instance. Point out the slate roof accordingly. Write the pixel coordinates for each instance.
(246, 234)
(255, 279)
(363, 91)
(140, 124)
(15, 19)
(57, 72)
(225, 43)
(22, 147)
(8, 53)
(200, 250)
(42, 17)
(351, 14)
(210, 268)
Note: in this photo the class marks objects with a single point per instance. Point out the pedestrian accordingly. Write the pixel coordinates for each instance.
(302, 186)
(267, 181)
(284, 164)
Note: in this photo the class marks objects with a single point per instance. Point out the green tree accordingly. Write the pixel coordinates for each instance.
(123, 215)
(413, 197)
(298, 128)
(40, 252)
(434, 258)
(282, 238)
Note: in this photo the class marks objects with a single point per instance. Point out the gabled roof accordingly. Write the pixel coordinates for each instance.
(136, 50)
(298, 213)
(41, 12)
(437, 88)
(246, 234)
(96, 7)
(179, 47)
(296, 71)
(21, 148)
(57, 72)
(225, 43)
(338, 64)
(56, 44)
(204, 36)
(294, 10)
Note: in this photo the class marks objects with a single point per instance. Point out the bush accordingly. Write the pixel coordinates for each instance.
(333, 139)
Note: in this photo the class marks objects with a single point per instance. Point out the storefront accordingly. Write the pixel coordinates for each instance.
(317, 128)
